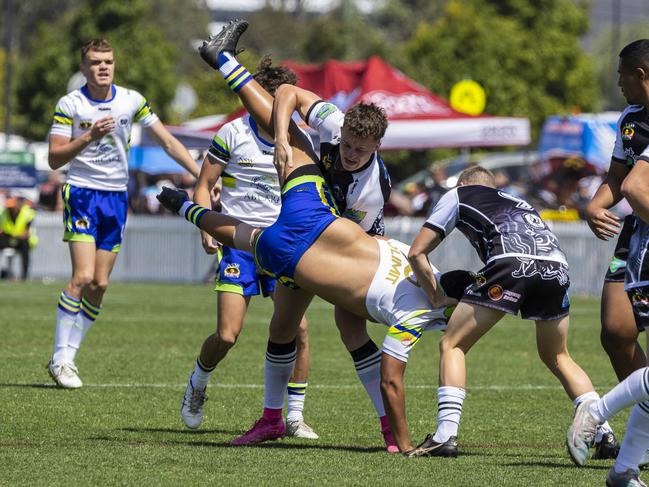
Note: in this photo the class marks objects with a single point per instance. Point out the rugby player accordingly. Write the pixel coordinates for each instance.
(91, 130)
(628, 177)
(241, 154)
(525, 270)
(353, 169)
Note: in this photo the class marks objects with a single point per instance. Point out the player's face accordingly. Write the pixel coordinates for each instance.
(98, 68)
(630, 82)
(356, 151)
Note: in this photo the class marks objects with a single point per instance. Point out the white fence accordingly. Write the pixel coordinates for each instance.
(168, 249)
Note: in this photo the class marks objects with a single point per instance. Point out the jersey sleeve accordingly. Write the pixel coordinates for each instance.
(143, 113)
(222, 145)
(63, 118)
(618, 150)
(444, 216)
(327, 119)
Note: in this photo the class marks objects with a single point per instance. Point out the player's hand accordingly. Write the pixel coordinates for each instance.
(604, 224)
(172, 199)
(210, 245)
(283, 158)
(102, 127)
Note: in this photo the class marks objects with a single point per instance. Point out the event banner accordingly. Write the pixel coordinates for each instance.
(17, 169)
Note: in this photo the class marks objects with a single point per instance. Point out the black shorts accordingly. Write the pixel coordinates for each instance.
(617, 267)
(639, 297)
(536, 288)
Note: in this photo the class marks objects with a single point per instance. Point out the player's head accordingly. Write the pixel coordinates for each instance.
(633, 71)
(476, 175)
(364, 127)
(97, 63)
(271, 77)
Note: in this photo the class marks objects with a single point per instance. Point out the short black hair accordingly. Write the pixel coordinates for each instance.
(636, 54)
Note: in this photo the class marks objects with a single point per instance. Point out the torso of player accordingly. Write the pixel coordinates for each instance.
(496, 223)
(631, 145)
(103, 164)
(360, 195)
(250, 189)
(340, 265)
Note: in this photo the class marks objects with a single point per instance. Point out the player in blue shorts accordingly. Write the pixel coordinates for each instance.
(91, 130)
(353, 169)
(241, 155)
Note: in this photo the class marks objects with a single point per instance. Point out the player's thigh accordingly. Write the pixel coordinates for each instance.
(552, 337)
(468, 323)
(82, 257)
(352, 328)
(104, 263)
(617, 312)
(290, 305)
(231, 311)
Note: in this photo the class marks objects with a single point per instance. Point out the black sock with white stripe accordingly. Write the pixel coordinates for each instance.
(449, 410)
(280, 359)
(367, 362)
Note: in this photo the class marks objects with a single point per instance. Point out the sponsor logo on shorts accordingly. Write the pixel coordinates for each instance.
(616, 264)
(82, 224)
(232, 271)
(511, 296)
(495, 292)
(566, 301)
(640, 299)
(406, 341)
(628, 130)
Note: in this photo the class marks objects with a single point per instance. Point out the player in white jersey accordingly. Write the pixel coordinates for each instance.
(91, 130)
(241, 154)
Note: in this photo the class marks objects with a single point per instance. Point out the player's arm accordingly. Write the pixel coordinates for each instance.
(173, 147)
(210, 173)
(425, 242)
(63, 149)
(604, 223)
(288, 98)
(394, 399)
(635, 188)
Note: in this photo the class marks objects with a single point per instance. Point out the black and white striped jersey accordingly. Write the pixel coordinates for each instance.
(360, 195)
(632, 136)
(497, 224)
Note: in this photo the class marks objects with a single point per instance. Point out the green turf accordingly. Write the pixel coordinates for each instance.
(123, 427)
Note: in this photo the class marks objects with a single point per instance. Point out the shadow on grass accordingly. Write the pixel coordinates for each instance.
(183, 431)
(279, 445)
(569, 466)
(33, 386)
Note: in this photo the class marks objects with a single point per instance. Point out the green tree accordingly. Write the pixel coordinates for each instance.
(525, 54)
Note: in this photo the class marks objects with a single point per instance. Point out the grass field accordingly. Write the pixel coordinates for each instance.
(123, 427)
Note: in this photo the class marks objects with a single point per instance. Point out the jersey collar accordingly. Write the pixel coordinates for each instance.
(86, 93)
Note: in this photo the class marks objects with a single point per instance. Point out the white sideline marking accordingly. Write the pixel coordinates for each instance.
(433, 387)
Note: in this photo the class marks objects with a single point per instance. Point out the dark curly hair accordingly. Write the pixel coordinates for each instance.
(366, 120)
(271, 77)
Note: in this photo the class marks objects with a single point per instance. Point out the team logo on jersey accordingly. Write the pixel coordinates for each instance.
(480, 279)
(245, 162)
(232, 271)
(495, 292)
(82, 224)
(628, 130)
(327, 162)
(355, 215)
(123, 121)
(534, 221)
(326, 110)
(85, 124)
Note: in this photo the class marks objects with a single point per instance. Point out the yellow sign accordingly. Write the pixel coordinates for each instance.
(467, 96)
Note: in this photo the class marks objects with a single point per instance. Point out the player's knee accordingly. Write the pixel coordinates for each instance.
(81, 279)
(99, 285)
(226, 338)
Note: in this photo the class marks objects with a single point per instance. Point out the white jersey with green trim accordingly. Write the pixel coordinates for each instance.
(103, 164)
(250, 190)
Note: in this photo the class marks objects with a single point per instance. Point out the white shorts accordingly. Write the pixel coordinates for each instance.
(396, 300)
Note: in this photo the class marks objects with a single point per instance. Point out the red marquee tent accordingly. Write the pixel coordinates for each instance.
(418, 118)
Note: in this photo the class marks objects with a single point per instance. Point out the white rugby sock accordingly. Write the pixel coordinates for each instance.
(367, 362)
(449, 411)
(85, 320)
(632, 390)
(201, 375)
(636, 439)
(66, 318)
(296, 396)
(280, 359)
